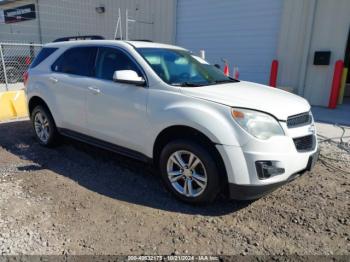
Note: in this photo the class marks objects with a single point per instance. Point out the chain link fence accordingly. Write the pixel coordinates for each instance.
(15, 59)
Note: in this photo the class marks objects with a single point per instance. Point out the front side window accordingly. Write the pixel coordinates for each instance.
(110, 60)
(76, 61)
(182, 68)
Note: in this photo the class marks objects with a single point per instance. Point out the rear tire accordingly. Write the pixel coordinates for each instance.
(189, 171)
(44, 126)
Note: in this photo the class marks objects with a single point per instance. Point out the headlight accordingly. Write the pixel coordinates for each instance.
(260, 125)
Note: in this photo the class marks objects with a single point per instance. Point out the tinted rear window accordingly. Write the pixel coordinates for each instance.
(44, 53)
(76, 61)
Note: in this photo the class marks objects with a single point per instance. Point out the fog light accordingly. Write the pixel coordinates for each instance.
(267, 169)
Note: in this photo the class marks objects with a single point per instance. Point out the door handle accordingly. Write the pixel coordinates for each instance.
(94, 90)
(53, 79)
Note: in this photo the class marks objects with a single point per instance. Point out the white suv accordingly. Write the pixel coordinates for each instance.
(207, 133)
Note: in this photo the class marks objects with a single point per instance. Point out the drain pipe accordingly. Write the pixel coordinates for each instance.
(307, 47)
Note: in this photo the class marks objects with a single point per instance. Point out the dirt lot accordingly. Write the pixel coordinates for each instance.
(77, 199)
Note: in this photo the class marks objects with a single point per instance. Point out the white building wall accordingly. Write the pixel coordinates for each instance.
(26, 31)
(60, 18)
(294, 41)
(330, 32)
(309, 26)
(245, 32)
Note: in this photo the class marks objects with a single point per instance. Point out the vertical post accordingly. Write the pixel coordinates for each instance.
(310, 25)
(39, 22)
(345, 71)
(343, 85)
(3, 66)
(127, 21)
(126, 25)
(31, 56)
(338, 70)
(236, 72)
(274, 73)
(202, 54)
(31, 51)
(119, 25)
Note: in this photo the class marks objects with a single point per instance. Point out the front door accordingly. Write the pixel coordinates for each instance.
(116, 112)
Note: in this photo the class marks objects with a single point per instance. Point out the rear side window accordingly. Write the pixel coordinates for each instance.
(44, 53)
(76, 61)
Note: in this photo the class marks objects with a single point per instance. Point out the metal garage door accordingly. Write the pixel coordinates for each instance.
(243, 31)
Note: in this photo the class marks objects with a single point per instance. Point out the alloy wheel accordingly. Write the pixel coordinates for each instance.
(187, 173)
(42, 127)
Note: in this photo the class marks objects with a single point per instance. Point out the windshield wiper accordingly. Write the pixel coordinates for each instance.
(187, 84)
(231, 80)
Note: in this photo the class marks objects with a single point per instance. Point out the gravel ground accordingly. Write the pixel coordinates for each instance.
(77, 199)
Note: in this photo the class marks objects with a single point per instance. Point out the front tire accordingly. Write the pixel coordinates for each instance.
(44, 126)
(189, 171)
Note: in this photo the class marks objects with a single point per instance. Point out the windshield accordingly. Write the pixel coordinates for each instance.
(181, 68)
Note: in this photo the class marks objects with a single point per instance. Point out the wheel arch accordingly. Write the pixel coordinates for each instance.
(35, 101)
(185, 132)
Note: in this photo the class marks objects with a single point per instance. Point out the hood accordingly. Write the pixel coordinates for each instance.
(254, 96)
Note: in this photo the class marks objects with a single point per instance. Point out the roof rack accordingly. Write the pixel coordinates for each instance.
(82, 37)
(142, 40)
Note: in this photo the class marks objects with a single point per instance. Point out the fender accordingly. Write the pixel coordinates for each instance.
(43, 92)
(211, 119)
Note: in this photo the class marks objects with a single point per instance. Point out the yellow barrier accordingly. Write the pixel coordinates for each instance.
(13, 104)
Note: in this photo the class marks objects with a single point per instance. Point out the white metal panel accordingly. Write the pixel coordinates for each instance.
(243, 31)
(155, 18)
(61, 18)
(25, 31)
(309, 26)
(294, 43)
(330, 33)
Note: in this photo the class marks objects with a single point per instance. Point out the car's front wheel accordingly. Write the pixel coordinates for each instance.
(44, 126)
(189, 171)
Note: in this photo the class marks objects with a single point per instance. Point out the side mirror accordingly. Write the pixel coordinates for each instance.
(128, 77)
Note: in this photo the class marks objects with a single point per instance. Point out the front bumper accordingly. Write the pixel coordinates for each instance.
(240, 163)
(250, 192)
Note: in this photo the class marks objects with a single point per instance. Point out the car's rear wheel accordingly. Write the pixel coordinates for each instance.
(44, 126)
(189, 171)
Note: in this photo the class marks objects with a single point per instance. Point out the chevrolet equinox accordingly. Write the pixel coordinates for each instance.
(206, 133)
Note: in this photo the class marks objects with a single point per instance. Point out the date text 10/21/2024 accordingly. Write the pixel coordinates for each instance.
(173, 258)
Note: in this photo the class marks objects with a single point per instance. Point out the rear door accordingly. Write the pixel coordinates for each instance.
(71, 78)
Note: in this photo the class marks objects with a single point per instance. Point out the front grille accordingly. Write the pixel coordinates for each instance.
(305, 143)
(299, 120)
